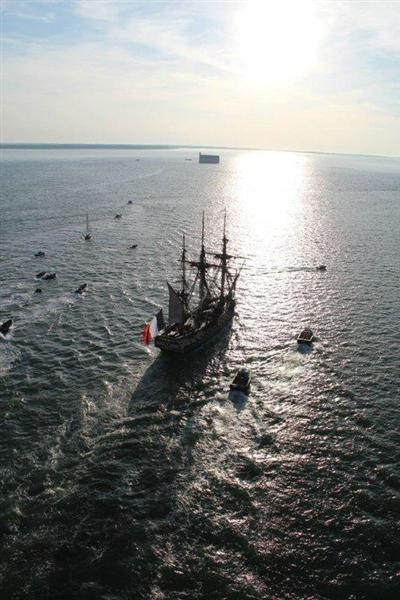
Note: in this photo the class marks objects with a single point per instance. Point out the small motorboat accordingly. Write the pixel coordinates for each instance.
(321, 268)
(81, 288)
(133, 246)
(241, 381)
(130, 202)
(40, 275)
(306, 337)
(40, 253)
(49, 276)
(118, 216)
(5, 327)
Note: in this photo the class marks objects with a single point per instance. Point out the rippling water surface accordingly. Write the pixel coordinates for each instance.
(127, 474)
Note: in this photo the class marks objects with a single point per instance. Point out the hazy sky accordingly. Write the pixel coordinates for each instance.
(303, 75)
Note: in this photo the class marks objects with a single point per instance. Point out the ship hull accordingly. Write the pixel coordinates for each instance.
(208, 159)
(182, 344)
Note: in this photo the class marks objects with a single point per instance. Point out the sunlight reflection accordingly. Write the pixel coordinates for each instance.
(267, 195)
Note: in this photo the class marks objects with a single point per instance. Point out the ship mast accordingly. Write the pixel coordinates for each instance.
(224, 258)
(183, 261)
(202, 265)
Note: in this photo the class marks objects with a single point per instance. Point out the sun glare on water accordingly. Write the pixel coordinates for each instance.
(277, 42)
(266, 197)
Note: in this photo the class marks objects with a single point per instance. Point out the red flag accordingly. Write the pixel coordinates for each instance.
(150, 331)
(146, 334)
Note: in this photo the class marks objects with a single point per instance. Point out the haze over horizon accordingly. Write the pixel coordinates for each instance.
(303, 76)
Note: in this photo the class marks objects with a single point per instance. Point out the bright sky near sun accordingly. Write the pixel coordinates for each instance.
(297, 75)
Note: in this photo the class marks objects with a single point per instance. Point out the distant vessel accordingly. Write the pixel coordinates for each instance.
(88, 235)
(242, 381)
(5, 327)
(82, 288)
(196, 319)
(306, 337)
(208, 158)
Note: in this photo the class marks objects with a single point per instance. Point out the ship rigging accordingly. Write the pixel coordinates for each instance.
(203, 305)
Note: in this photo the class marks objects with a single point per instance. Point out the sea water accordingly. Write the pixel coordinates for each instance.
(128, 474)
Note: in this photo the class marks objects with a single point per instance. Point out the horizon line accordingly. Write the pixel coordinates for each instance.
(125, 146)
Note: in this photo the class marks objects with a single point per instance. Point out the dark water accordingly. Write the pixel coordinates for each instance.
(126, 474)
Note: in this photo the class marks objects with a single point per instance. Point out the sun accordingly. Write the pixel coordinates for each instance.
(276, 41)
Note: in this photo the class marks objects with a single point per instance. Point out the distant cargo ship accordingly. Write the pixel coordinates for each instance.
(208, 158)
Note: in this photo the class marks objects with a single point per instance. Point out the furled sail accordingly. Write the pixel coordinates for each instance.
(176, 307)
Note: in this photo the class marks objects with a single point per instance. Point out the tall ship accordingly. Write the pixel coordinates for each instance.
(203, 306)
